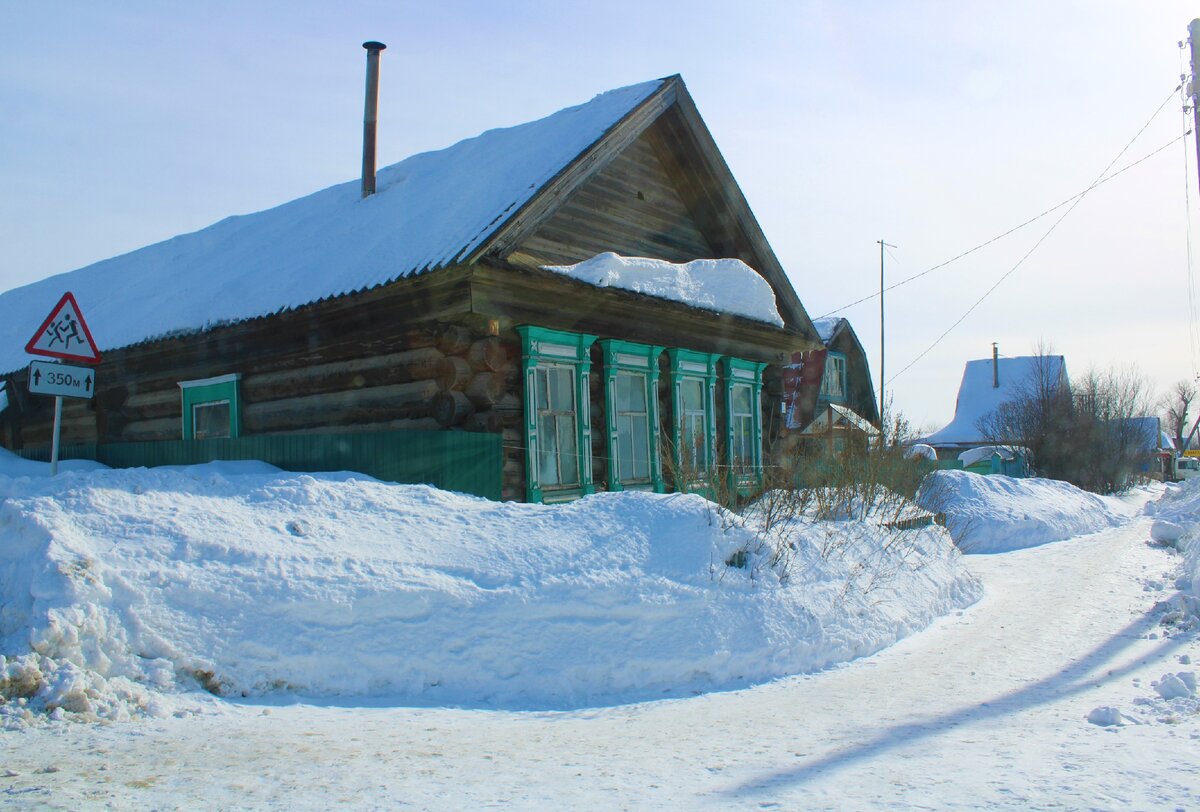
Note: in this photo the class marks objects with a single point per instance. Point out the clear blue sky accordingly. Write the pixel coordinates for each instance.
(933, 125)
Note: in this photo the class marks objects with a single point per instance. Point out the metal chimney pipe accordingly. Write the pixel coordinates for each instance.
(370, 116)
(995, 365)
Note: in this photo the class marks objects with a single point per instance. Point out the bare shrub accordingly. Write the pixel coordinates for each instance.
(835, 505)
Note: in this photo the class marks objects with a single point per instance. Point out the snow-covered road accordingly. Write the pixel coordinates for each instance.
(984, 710)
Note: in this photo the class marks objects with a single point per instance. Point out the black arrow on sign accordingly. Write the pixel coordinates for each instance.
(87, 384)
(37, 376)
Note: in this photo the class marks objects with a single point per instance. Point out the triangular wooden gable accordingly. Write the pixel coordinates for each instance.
(631, 207)
(654, 185)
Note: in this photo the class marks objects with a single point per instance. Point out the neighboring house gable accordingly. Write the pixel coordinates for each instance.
(840, 375)
(984, 388)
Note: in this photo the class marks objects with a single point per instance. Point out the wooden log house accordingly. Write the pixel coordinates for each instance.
(345, 327)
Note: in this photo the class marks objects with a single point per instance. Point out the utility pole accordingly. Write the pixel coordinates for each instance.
(882, 377)
(1194, 41)
(1193, 89)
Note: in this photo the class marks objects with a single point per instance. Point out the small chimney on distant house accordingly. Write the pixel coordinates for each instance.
(370, 117)
(995, 365)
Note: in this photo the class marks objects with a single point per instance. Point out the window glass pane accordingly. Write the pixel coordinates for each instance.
(623, 397)
(693, 442)
(547, 451)
(211, 420)
(631, 392)
(640, 430)
(625, 445)
(568, 460)
(541, 389)
(834, 382)
(562, 398)
(741, 399)
(693, 396)
(633, 428)
(743, 443)
(558, 463)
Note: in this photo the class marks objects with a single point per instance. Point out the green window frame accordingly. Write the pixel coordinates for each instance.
(632, 416)
(206, 401)
(833, 381)
(694, 418)
(558, 435)
(743, 423)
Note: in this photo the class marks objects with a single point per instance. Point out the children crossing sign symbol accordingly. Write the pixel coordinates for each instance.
(64, 334)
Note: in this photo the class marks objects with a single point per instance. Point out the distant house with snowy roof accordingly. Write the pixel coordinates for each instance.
(986, 385)
(1155, 447)
(828, 392)
(487, 290)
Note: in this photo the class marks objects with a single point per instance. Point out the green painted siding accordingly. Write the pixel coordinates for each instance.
(466, 462)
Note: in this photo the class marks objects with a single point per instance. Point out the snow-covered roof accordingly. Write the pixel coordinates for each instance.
(845, 417)
(430, 210)
(724, 285)
(826, 327)
(1149, 434)
(978, 398)
(983, 452)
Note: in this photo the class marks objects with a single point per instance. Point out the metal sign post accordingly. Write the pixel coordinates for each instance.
(54, 439)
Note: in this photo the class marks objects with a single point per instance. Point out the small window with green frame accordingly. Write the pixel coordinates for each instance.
(694, 424)
(743, 426)
(833, 382)
(631, 415)
(558, 435)
(211, 407)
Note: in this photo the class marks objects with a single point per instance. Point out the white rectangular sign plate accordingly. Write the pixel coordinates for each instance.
(46, 378)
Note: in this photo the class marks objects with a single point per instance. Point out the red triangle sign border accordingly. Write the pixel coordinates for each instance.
(86, 339)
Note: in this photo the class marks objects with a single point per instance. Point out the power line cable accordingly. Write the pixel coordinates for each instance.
(1077, 200)
(1073, 198)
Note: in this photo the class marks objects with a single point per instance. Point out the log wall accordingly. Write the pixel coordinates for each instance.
(410, 357)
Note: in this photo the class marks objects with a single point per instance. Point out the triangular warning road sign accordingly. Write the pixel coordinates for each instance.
(64, 334)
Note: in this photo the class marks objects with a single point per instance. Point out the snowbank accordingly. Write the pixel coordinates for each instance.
(723, 285)
(124, 590)
(995, 514)
(13, 466)
(1177, 524)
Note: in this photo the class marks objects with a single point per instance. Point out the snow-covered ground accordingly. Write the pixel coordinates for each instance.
(988, 708)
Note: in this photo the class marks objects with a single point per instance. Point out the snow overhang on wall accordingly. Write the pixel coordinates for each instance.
(721, 285)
